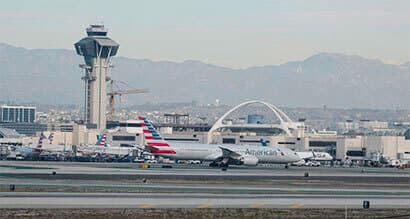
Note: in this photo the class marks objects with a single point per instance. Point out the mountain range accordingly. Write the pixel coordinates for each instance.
(52, 76)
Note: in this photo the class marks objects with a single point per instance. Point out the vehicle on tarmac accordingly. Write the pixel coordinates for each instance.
(300, 163)
(139, 160)
(19, 156)
(195, 162)
(398, 163)
(151, 161)
(167, 161)
(313, 164)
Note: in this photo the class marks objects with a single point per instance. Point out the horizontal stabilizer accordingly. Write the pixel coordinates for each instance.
(158, 150)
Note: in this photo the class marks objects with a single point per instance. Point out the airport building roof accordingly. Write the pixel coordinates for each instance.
(9, 133)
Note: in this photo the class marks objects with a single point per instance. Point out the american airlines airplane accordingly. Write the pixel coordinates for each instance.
(220, 155)
(316, 156)
(33, 151)
(102, 147)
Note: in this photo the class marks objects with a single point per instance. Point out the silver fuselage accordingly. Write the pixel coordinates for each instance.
(210, 152)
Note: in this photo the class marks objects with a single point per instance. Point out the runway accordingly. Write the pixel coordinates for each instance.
(203, 200)
(102, 171)
(108, 185)
(195, 188)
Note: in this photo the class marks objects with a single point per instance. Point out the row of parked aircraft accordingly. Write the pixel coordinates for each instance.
(218, 155)
(32, 151)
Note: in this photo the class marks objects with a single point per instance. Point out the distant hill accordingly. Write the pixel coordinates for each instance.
(52, 76)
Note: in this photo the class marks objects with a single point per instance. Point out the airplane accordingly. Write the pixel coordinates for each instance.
(101, 147)
(39, 151)
(28, 152)
(219, 155)
(98, 147)
(315, 156)
(50, 147)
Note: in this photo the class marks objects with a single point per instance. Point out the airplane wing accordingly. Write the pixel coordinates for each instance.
(232, 157)
(305, 155)
(214, 156)
(226, 152)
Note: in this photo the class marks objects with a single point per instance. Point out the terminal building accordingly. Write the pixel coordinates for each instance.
(26, 114)
(294, 135)
(365, 127)
(253, 129)
(10, 136)
(20, 118)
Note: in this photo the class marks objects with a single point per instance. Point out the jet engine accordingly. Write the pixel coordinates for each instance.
(249, 160)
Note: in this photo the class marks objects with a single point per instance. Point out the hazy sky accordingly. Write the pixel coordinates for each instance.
(233, 33)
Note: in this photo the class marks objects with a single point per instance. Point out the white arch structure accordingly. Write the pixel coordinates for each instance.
(286, 124)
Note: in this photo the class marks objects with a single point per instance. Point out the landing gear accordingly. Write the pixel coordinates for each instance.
(286, 166)
(219, 164)
(223, 165)
(213, 164)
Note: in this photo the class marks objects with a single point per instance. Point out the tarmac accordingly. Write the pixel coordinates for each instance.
(202, 200)
(110, 171)
(109, 185)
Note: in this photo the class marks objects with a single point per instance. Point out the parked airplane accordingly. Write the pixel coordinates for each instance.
(29, 152)
(220, 155)
(315, 156)
(102, 148)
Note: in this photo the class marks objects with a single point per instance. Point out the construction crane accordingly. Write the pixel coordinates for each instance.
(119, 93)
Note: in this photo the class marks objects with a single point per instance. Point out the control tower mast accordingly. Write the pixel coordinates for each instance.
(97, 50)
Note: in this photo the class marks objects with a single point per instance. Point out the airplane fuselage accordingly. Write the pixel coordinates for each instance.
(316, 156)
(210, 152)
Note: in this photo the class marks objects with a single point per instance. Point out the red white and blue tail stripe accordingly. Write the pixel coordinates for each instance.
(153, 141)
(151, 136)
(51, 138)
(103, 140)
(40, 140)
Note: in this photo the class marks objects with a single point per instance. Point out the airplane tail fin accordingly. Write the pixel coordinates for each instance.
(98, 139)
(103, 140)
(264, 142)
(40, 140)
(151, 136)
(51, 137)
(314, 153)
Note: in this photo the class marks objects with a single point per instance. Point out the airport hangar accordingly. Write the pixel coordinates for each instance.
(227, 130)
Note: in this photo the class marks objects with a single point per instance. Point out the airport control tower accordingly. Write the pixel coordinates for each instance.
(97, 50)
